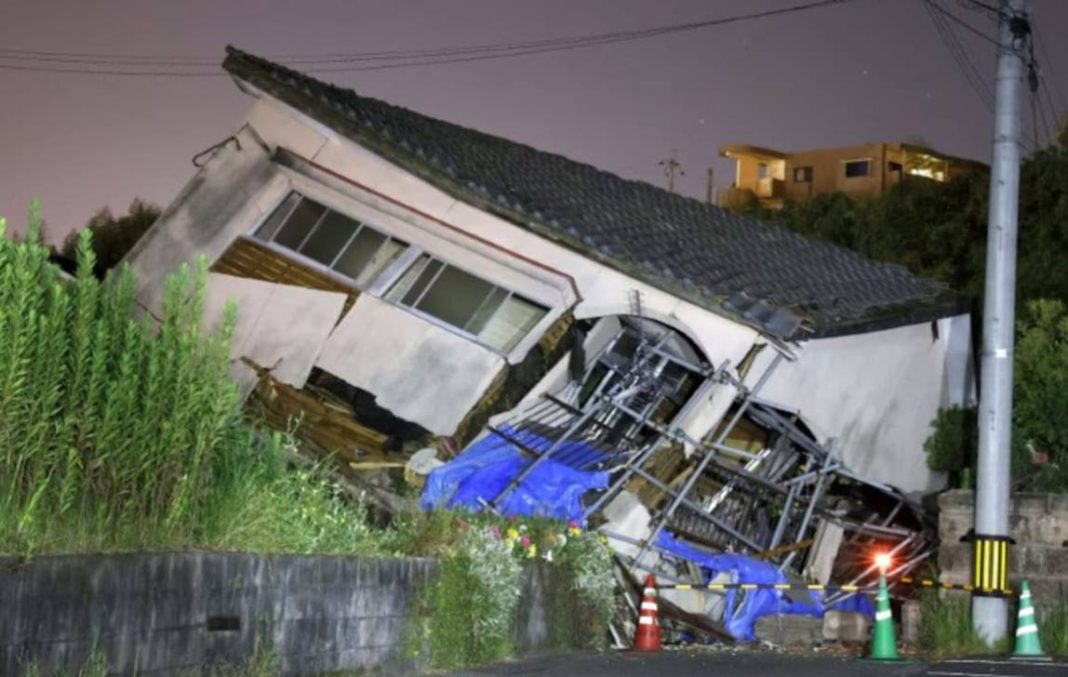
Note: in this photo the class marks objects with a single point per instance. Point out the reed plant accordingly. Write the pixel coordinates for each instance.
(123, 430)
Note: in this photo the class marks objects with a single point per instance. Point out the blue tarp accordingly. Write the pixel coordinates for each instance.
(739, 620)
(554, 489)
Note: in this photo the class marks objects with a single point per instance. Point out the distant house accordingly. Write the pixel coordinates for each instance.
(401, 280)
(771, 177)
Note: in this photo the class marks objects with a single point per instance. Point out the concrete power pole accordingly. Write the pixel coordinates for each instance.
(990, 613)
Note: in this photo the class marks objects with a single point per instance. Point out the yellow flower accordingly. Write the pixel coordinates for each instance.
(532, 551)
(574, 531)
(511, 534)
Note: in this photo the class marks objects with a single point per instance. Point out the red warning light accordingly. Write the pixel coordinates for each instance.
(882, 560)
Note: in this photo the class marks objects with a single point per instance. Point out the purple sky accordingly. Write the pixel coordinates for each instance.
(864, 71)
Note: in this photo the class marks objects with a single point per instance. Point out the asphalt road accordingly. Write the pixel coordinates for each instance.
(705, 663)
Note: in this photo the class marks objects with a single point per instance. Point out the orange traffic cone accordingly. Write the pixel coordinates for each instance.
(648, 636)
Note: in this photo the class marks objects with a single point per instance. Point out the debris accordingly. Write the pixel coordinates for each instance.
(911, 621)
(789, 630)
(686, 509)
(846, 626)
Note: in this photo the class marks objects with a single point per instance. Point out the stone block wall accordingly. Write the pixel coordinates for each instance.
(1038, 523)
(161, 613)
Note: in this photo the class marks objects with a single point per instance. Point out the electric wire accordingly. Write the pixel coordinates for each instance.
(956, 49)
(961, 22)
(86, 62)
(1048, 73)
(976, 4)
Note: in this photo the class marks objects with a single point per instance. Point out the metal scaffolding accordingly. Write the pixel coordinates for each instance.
(720, 497)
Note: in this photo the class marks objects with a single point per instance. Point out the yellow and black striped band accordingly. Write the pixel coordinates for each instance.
(990, 572)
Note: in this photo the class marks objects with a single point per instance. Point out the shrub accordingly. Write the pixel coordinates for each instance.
(586, 562)
(473, 601)
(1040, 398)
(952, 446)
(471, 608)
(1041, 394)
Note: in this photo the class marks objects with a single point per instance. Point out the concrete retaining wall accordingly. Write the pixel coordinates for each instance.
(158, 613)
(1038, 523)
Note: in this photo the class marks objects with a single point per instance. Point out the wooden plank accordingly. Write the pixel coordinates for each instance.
(250, 259)
(330, 427)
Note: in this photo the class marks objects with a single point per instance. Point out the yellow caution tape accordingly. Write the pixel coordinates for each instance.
(849, 587)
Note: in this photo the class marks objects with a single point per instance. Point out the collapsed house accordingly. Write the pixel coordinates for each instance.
(406, 283)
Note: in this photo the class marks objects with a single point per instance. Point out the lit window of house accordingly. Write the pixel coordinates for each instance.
(857, 168)
(802, 174)
(424, 284)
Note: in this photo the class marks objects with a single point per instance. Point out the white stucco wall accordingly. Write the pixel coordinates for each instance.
(876, 395)
(221, 200)
(415, 369)
(278, 326)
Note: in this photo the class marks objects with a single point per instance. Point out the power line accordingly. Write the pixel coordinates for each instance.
(394, 58)
(996, 11)
(1044, 97)
(94, 71)
(961, 22)
(1036, 36)
(956, 49)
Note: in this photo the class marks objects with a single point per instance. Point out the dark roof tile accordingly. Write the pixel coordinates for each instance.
(691, 249)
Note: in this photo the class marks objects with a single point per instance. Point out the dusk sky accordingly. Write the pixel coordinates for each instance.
(866, 70)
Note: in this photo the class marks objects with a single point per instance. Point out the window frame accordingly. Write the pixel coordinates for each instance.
(392, 273)
(806, 172)
(415, 310)
(319, 266)
(866, 175)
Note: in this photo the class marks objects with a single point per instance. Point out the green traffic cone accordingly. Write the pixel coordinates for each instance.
(883, 644)
(1027, 642)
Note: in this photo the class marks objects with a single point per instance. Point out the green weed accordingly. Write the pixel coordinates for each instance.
(1053, 628)
(947, 628)
(121, 434)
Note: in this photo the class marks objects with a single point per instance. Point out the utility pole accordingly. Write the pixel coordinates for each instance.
(709, 197)
(990, 612)
(671, 167)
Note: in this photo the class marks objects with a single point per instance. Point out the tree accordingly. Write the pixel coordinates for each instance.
(1040, 395)
(113, 236)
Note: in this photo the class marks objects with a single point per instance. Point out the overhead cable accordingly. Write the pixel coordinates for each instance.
(90, 63)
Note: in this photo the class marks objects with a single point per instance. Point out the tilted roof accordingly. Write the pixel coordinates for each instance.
(759, 274)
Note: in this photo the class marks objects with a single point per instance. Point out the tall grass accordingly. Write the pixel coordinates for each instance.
(120, 433)
(1053, 627)
(947, 626)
